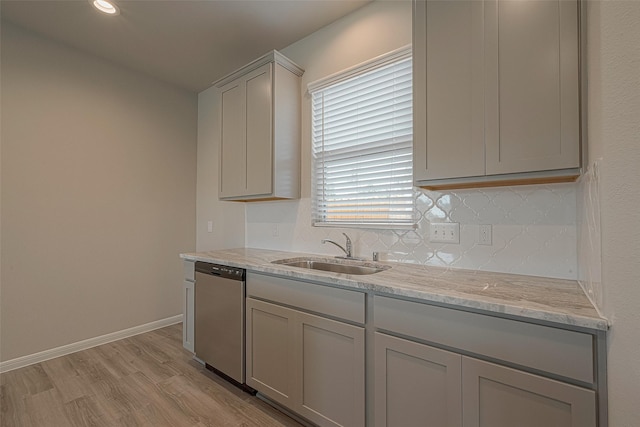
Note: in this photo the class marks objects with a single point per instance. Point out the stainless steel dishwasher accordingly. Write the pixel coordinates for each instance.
(219, 324)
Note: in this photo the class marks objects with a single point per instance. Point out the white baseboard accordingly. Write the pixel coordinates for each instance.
(21, 362)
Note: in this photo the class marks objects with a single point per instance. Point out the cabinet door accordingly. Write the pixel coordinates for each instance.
(259, 132)
(232, 163)
(496, 396)
(270, 336)
(188, 315)
(332, 379)
(448, 89)
(416, 385)
(532, 104)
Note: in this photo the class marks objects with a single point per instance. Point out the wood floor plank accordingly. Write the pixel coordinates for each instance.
(73, 387)
(11, 406)
(230, 409)
(30, 380)
(44, 409)
(112, 359)
(145, 380)
(173, 333)
(117, 400)
(145, 362)
(149, 416)
(162, 404)
(81, 362)
(60, 367)
(85, 411)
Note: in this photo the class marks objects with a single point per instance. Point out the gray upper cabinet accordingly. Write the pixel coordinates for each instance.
(448, 70)
(496, 92)
(260, 131)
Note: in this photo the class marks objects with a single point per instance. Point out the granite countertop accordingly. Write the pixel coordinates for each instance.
(528, 297)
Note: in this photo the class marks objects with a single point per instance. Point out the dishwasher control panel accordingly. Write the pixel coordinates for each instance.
(220, 270)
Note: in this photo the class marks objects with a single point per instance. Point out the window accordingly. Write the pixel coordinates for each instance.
(362, 136)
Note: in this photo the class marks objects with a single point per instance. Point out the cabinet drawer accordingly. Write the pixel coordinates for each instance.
(556, 351)
(332, 302)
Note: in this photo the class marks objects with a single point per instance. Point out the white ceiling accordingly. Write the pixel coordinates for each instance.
(185, 42)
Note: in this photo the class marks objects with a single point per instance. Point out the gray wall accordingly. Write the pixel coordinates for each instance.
(347, 42)
(98, 195)
(227, 218)
(614, 137)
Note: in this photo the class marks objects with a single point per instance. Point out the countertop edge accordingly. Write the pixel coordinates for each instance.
(466, 301)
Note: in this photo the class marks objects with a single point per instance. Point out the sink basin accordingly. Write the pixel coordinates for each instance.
(334, 266)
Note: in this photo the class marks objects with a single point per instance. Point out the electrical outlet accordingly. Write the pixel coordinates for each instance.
(275, 231)
(484, 237)
(444, 232)
(210, 226)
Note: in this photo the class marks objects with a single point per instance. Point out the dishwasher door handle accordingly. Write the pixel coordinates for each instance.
(209, 271)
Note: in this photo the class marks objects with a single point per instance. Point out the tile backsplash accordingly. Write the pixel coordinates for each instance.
(534, 230)
(589, 235)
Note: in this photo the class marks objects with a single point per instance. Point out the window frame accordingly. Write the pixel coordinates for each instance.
(390, 58)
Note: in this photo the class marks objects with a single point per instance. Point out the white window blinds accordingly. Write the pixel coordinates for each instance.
(362, 148)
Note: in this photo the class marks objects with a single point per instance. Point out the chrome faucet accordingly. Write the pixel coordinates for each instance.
(348, 249)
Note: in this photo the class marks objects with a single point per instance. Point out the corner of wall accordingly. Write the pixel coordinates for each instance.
(589, 244)
(219, 224)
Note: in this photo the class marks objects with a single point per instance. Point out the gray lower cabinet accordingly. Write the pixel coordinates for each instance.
(415, 384)
(427, 365)
(331, 368)
(270, 334)
(497, 396)
(310, 364)
(188, 307)
(418, 384)
(188, 316)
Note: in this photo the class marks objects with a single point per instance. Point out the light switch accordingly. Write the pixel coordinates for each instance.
(444, 232)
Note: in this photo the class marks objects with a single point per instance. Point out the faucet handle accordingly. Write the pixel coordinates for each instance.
(349, 246)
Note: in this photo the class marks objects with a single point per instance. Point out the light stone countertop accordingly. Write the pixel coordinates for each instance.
(528, 297)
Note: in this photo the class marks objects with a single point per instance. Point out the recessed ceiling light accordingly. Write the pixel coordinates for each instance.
(105, 6)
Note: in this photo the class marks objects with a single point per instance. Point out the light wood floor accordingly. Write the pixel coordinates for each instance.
(146, 380)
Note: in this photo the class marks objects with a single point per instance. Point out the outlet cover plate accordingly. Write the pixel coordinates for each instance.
(484, 237)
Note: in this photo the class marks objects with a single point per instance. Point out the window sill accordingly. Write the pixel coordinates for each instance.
(371, 226)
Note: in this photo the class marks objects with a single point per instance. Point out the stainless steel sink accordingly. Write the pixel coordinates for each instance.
(335, 266)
